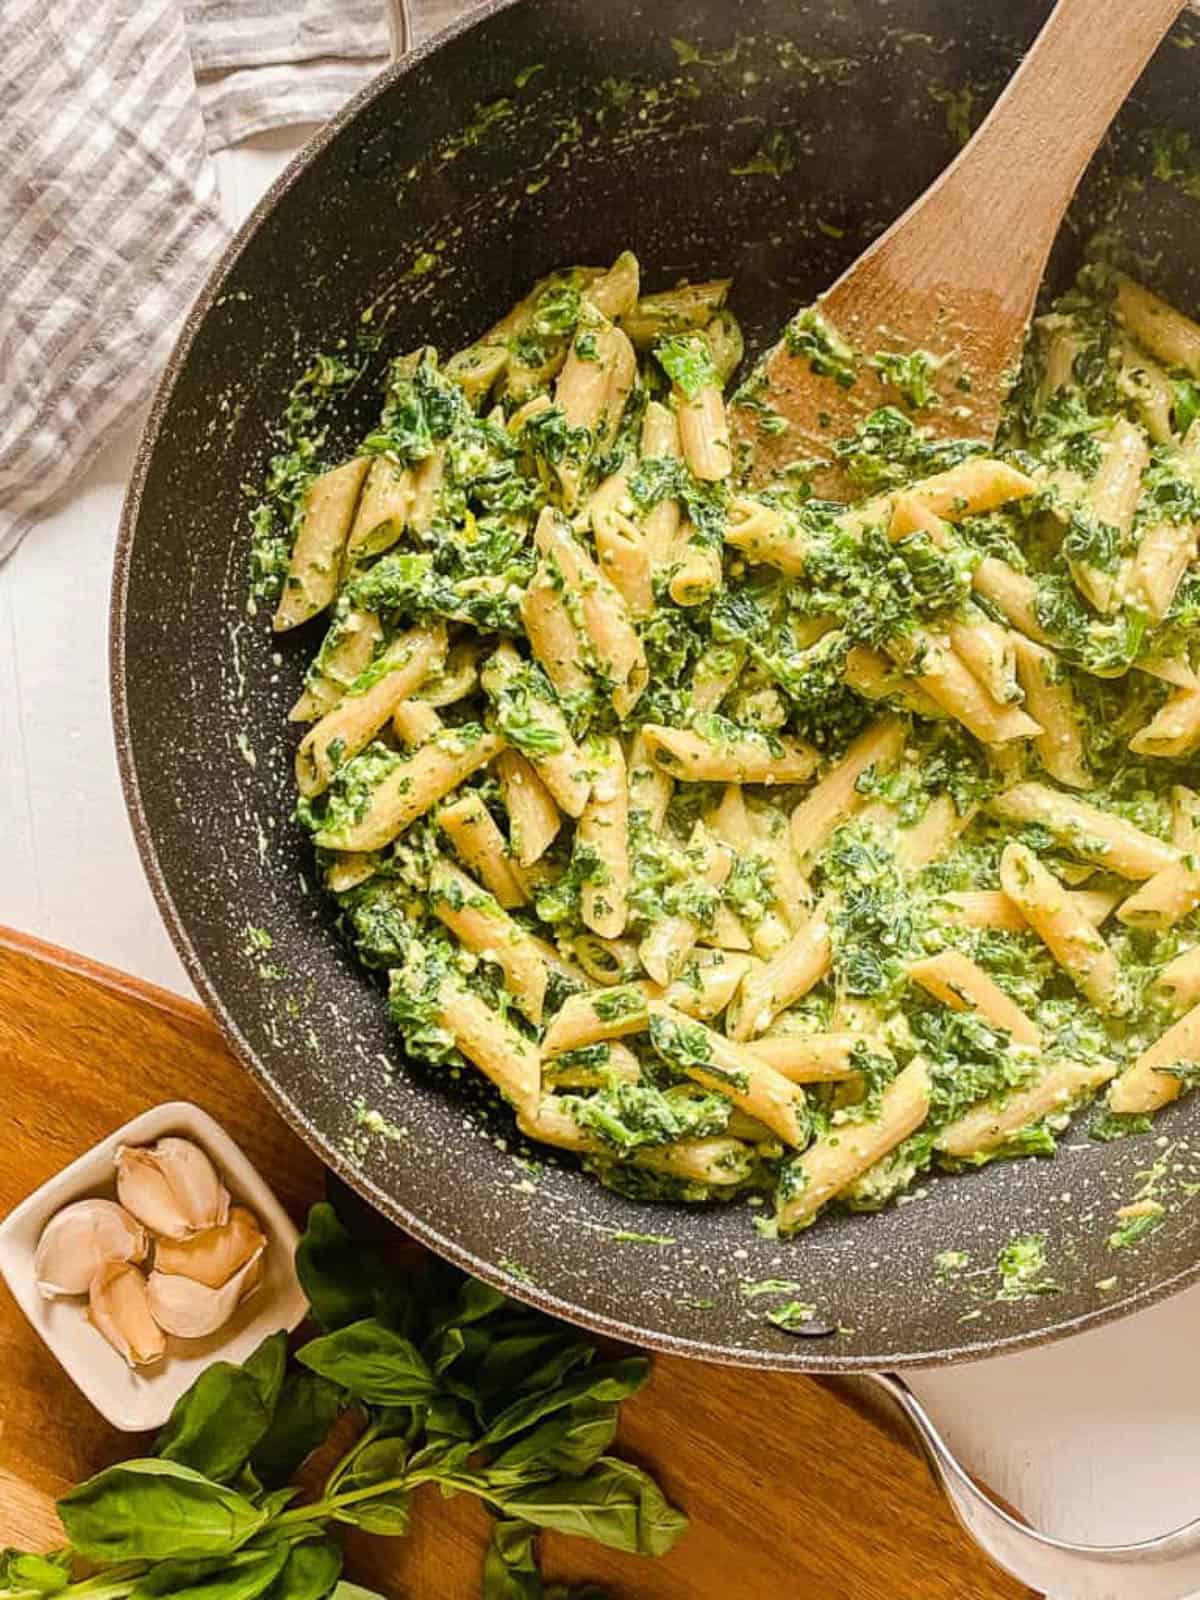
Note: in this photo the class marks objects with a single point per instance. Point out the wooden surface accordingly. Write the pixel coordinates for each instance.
(958, 273)
(791, 1491)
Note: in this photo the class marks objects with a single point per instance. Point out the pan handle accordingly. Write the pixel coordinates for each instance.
(1165, 1568)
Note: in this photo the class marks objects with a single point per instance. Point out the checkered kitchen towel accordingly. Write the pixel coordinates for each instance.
(110, 111)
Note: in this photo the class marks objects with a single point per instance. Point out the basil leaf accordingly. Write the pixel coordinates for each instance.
(614, 1503)
(354, 1591)
(530, 1356)
(338, 1276)
(372, 1362)
(22, 1572)
(310, 1571)
(612, 1382)
(510, 1568)
(267, 1366)
(567, 1445)
(307, 1409)
(446, 1418)
(242, 1577)
(216, 1423)
(154, 1511)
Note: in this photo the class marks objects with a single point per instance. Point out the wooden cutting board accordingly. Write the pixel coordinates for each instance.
(791, 1490)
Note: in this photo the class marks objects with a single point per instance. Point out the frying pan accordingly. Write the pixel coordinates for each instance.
(765, 139)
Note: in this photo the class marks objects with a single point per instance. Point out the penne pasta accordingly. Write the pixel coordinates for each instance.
(362, 712)
(1051, 703)
(810, 1057)
(976, 485)
(660, 442)
(988, 652)
(533, 817)
(985, 1128)
(650, 788)
(480, 845)
(615, 645)
(525, 702)
(728, 1069)
(1094, 835)
(621, 549)
(1185, 819)
(603, 833)
(955, 980)
(415, 723)
(553, 637)
(666, 947)
(344, 655)
(1166, 898)
(1071, 938)
(744, 757)
(834, 798)
(1179, 981)
(837, 1159)
(1168, 335)
(795, 969)
(946, 679)
(489, 1042)
(679, 310)
(1174, 731)
(1012, 593)
(312, 576)
(1148, 1083)
(478, 921)
(383, 511)
(412, 787)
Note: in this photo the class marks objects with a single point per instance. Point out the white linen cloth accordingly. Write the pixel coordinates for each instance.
(109, 113)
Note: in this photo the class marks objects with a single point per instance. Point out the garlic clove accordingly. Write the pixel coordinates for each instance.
(212, 1257)
(172, 1187)
(190, 1309)
(119, 1308)
(77, 1242)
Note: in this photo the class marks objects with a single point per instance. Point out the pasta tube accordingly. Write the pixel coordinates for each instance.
(835, 797)
(1069, 936)
(614, 640)
(1093, 835)
(412, 787)
(469, 826)
(1166, 898)
(533, 817)
(312, 576)
(839, 1158)
(1052, 706)
(1147, 1084)
(1059, 1088)
(955, 980)
(743, 757)
(604, 833)
(479, 922)
(358, 717)
(729, 1069)
(798, 967)
(525, 703)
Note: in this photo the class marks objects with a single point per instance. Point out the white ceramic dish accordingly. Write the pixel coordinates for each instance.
(135, 1401)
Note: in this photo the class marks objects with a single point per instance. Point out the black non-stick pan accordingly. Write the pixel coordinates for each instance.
(765, 139)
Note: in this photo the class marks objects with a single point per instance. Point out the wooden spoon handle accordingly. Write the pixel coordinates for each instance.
(1045, 127)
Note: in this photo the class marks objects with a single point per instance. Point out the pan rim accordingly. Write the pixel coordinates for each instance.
(425, 1229)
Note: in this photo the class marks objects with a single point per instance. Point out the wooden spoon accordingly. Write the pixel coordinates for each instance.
(958, 273)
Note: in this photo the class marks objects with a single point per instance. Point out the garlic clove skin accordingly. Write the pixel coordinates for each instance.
(190, 1310)
(119, 1308)
(212, 1257)
(172, 1187)
(77, 1242)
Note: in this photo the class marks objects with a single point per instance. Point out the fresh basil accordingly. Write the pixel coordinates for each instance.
(560, 1444)
(442, 1381)
(156, 1511)
(22, 1572)
(216, 1425)
(372, 1363)
(338, 1276)
(308, 1407)
(310, 1572)
(614, 1382)
(377, 1464)
(241, 1577)
(614, 1503)
(510, 1567)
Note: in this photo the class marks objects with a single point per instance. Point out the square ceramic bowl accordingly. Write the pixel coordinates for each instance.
(138, 1400)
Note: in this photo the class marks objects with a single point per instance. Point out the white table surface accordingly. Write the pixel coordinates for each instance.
(1095, 1439)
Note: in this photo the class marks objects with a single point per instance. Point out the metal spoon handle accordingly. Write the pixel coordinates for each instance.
(1165, 1568)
